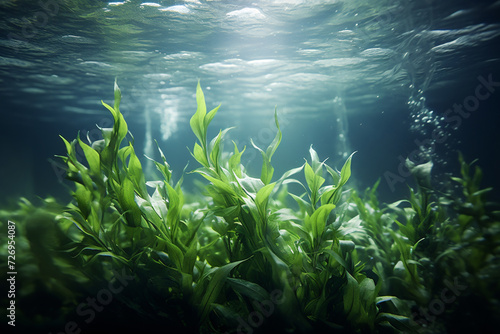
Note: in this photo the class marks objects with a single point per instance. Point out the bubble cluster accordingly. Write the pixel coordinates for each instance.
(424, 120)
(431, 129)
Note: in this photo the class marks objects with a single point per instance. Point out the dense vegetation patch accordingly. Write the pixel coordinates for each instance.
(245, 254)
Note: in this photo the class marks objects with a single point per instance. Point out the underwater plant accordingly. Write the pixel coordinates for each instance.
(246, 254)
(439, 253)
(258, 247)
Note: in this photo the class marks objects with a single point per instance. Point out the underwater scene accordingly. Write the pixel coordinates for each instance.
(246, 167)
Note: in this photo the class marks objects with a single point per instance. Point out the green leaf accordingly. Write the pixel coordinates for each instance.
(333, 196)
(83, 197)
(367, 291)
(74, 166)
(314, 181)
(174, 208)
(267, 171)
(111, 110)
(262, 197)
(120, 130)
(197, 121)
(215, 286)
(314, 158)
(150, 210)
(383, 299)
(226, 313)
(333, 173)
(92, 157)
(69, 149)
(328, 196)
(338, 258)
(251, 185)
(210, 116)
(109, 254)
(190, 259)
(345, 173)
(118, 95)
(284, 179)
(457, 179)
(277, 139)
(215, 148)
(124, 153)
(249, 289)
(234, 161)
(303, 205)
(199, 155)
(310, 176)
(175, 254)
(351, 297)
(481, 192)
(228, 213)
(135, 173)
(318, 220)
(127, 202)
(399, 322)
(120, 126)
(163, 168)
(220, 185)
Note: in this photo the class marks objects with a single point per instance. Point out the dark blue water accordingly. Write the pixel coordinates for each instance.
(376, 78)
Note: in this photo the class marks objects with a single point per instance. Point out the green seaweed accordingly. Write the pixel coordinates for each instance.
(246, 254)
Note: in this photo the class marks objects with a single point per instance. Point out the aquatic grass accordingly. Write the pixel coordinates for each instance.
(323, 264)
(438, 238)
(243, 247)
(133, 228)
